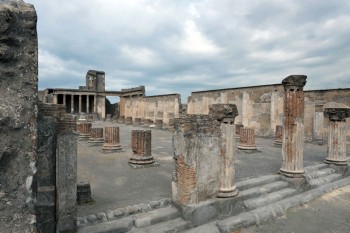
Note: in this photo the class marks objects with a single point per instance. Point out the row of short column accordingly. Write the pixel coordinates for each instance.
(158, 123)
(141, 142)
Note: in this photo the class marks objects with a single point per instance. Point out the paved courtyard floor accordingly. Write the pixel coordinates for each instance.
(115, 184)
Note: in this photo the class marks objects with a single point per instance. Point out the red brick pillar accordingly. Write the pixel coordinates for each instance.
(247, 139)
(111, 140)
(84, 130)
(293, 126)
(337, 135)
(279, 135)
(141, 143)
(96, 137)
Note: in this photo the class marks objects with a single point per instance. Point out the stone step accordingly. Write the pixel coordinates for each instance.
(262, 190)
(315, 167)
(265, 213)
(324, 180)
(319, 173)
(270, 198)
(251, 183)
(206, 228)
(119, 225)
(175, 225)
(156, 216)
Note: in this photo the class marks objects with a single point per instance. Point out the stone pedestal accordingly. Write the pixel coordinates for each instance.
(84, 130)
(293, 126)
(96, 137)
(137, 121)
(128, 120)
(148, 122)
(159, 123)
(141, 143)
(111, 140)
(83, 193)
(121, 119)
(278, 135)
(238, 130)
(108, 117)
(337, 135)
(247, 139)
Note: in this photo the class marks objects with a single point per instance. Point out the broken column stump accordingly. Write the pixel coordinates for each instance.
(203, 153)
(128, 120)
(84, 130)
(159, 123)
(141, 143)
(238, 130)
(121, 119)
(336, 151)
(137, 121)
(278, 135)
(293, 126)
(247, 139)
(96, 137)
(84, 193)
(111, 140)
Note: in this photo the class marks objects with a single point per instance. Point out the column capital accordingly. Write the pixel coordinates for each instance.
(336, 114)
(294, 82)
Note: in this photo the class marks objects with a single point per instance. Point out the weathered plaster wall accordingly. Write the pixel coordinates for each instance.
(163, 107)
(259, 107)
(316, 99)
(18, 115)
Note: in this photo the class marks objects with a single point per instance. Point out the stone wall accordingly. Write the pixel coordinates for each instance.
(259, 107)
(18, 115)
(164, 107)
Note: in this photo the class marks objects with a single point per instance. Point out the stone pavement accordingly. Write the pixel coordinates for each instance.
(329, 213)
(115, 184)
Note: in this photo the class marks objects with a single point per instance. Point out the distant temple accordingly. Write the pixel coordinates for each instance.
(90, 98)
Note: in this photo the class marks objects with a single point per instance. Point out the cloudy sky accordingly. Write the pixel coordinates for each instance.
(180, 46)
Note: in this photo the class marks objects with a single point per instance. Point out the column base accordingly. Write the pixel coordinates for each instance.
(95, 142)
(228, 193)
(336, 162)
(246, 147)
(291, 174)
(277, 143)
(137, 161)
(83, 137)
(110, 148)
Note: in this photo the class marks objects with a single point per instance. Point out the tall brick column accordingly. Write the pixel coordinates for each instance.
(337, 135)
(293, 133)
(111, 142)
(141, 143)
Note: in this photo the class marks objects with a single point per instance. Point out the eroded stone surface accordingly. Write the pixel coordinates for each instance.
(18, 115)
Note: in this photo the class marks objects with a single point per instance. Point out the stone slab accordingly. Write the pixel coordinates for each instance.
(156, 216)
(115, 226)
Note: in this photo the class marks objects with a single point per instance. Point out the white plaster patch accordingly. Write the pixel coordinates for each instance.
(29, 182)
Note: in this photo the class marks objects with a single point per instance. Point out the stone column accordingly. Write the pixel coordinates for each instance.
(87, 104)
(247, 139)
(72, 103)
(293, 126)
(337, 135)
(80, 104)
(64, 99)
(95, 103)
(278, 135)
(111, 142)
(141, 143)
(96, 137)
(84, 129)
(55, 97)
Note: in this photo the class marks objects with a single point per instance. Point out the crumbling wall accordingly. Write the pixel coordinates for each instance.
(164, 107)
(259, 107)
(18, 115)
